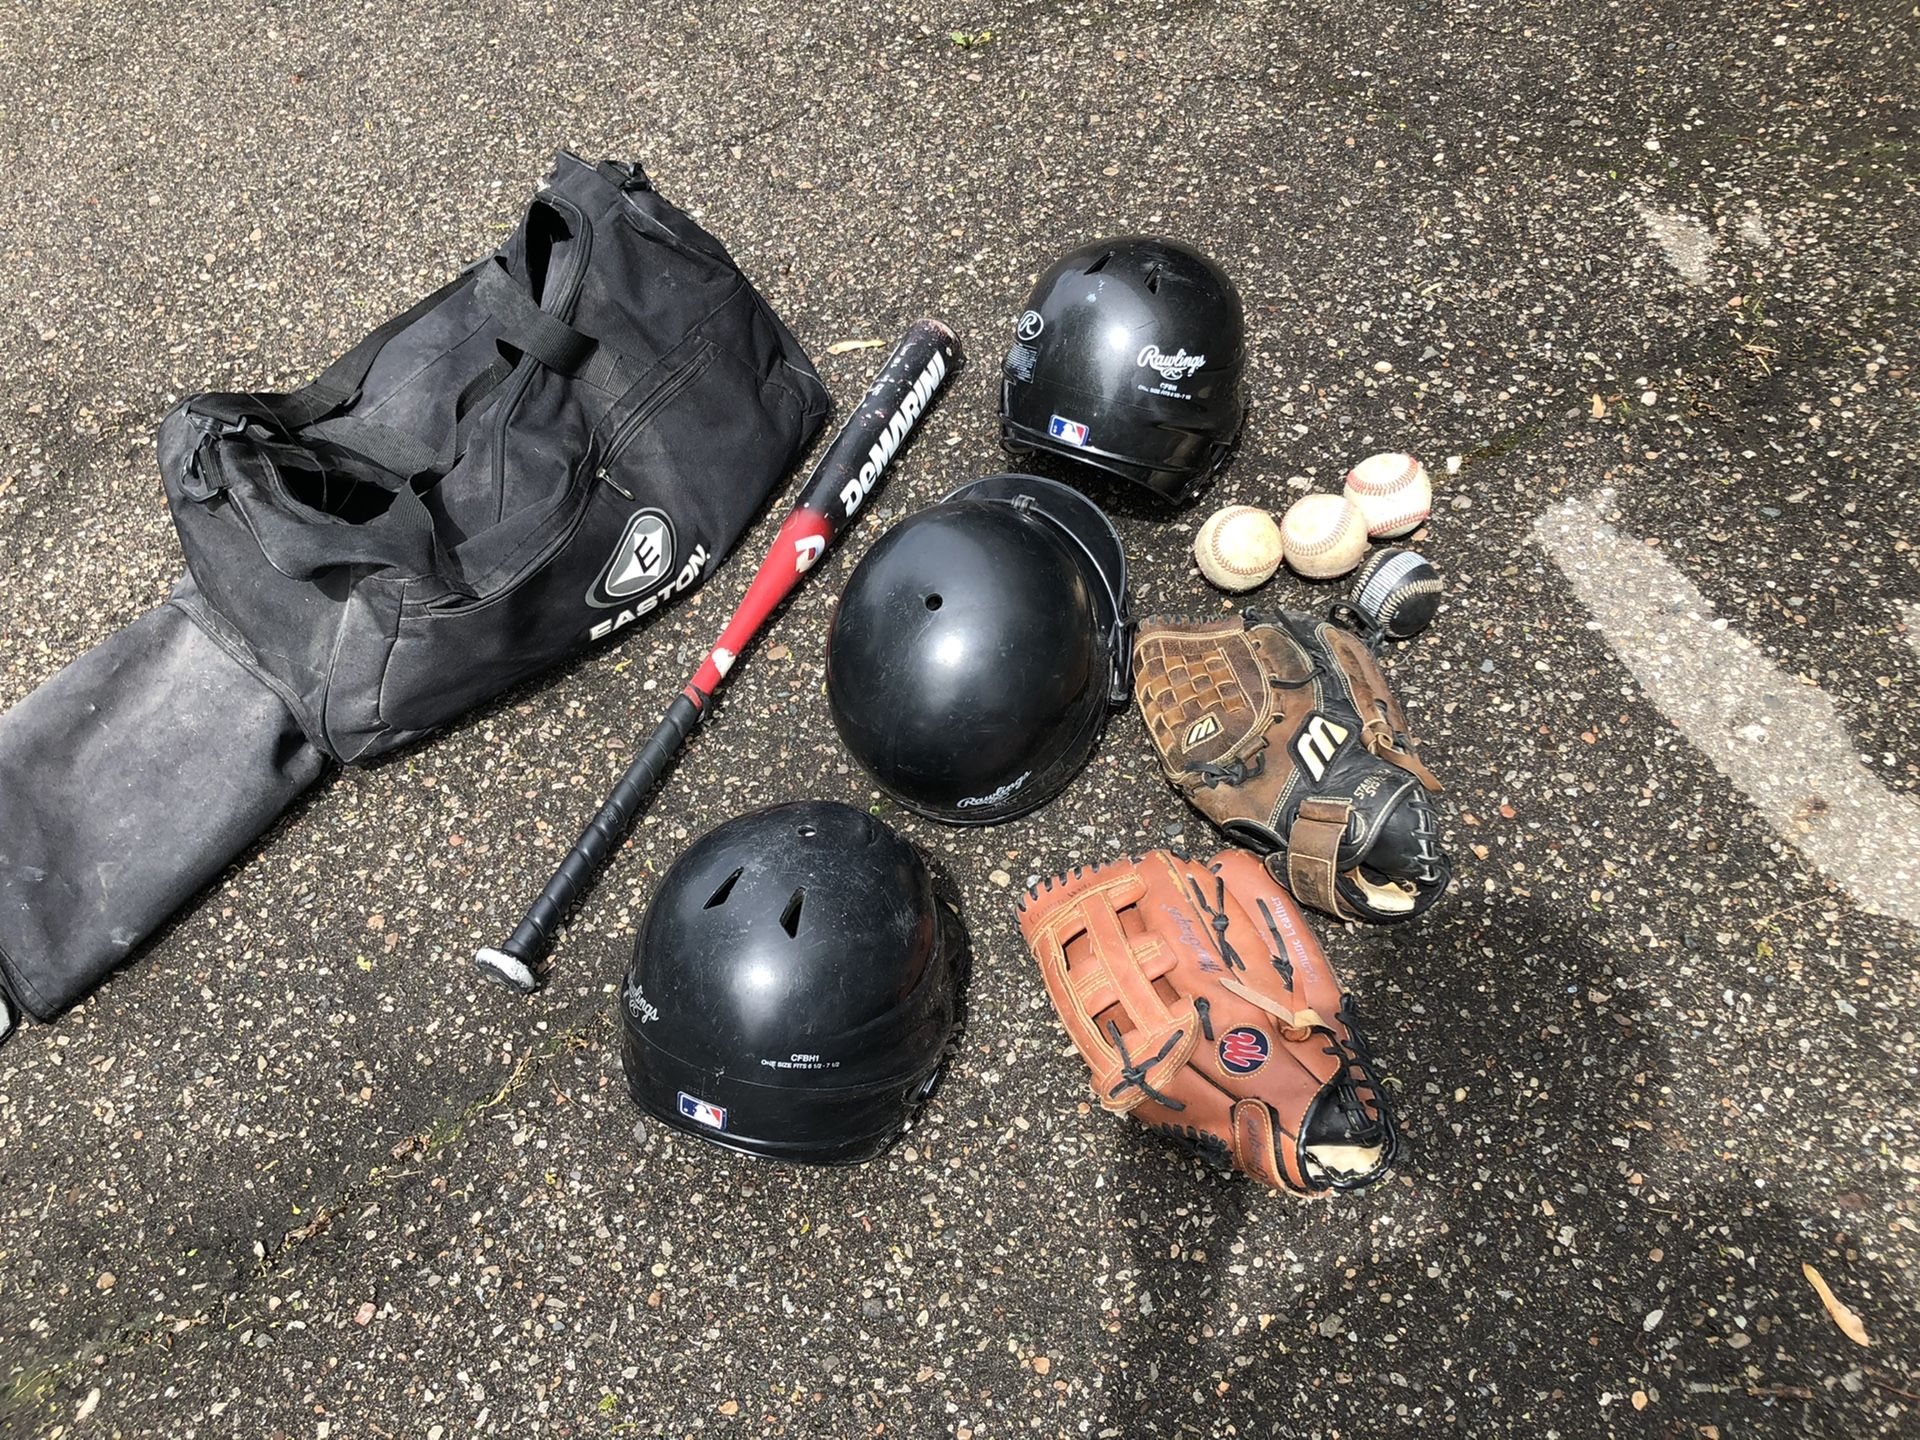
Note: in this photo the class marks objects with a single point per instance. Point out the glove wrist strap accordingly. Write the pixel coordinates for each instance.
(1313, 855)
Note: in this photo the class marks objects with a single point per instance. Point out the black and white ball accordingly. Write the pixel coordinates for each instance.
(1398, 592)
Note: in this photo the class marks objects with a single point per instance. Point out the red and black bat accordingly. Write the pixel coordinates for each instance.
(849, 472)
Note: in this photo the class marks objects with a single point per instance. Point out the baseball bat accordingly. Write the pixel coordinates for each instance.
(847, 474)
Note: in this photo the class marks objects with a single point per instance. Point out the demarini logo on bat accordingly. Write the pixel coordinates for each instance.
(856, 490)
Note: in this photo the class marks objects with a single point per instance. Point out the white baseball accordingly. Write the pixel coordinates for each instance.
(1393, 491)
(1324, 536)
(1238, 547)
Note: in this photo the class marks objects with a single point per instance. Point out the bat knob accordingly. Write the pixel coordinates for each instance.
(507, 971)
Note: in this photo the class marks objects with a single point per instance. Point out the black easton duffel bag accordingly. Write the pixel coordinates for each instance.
(565, 437)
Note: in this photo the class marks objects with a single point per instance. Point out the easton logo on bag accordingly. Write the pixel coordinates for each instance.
(638, 563)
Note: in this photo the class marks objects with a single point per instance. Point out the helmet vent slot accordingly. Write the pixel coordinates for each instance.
(790, 917)
(1097, 266)
(1153, 279)
(719, 896)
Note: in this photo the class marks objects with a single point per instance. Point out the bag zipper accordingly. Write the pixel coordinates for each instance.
(651, 406)
(670, 387)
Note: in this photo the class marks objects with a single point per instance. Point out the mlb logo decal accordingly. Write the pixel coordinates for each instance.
(1071, 431)
(714, 1117)
(1243, 1050)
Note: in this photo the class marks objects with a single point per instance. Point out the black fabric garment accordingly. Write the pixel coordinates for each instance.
(127, 782)
(561, 439)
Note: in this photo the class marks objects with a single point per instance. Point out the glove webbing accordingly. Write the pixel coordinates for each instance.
(1134, 1072)
(1122, 1083)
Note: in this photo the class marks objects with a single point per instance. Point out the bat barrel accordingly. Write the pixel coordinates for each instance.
(915, 369)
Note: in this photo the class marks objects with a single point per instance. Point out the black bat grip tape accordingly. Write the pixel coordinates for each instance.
(512, 965)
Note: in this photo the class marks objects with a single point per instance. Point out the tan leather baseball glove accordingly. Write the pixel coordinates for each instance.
(1207, 1011)
(1281, 730)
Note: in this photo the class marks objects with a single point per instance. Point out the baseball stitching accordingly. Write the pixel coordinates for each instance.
(1404, 594)
(1383, 491)
(1315, 547)
(1365, 488)
(1213, 542)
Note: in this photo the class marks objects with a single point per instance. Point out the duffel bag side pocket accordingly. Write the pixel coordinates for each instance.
(600, 559)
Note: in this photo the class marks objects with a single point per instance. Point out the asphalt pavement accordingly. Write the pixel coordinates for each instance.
(1637, 279)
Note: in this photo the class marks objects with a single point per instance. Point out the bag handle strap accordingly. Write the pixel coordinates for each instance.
(623, 174)
(404, 456)
(333, 389)
(527, 327)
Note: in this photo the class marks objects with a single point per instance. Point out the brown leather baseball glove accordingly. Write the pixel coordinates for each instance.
(1206, 1009)
(1281, 730)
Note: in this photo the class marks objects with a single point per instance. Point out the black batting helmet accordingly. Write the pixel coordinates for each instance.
(794, 987)
(978, 648)
(1129, 356)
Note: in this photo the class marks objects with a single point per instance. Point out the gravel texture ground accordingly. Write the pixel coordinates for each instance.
(294, 1173)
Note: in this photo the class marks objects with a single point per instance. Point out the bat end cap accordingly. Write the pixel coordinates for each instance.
(507, 971)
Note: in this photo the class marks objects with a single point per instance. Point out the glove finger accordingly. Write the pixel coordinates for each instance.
(1402, 844)
(1348, 1139)
(1283, 933)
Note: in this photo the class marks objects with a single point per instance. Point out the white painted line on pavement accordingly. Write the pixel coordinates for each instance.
(1687, 243)
(1778, 740)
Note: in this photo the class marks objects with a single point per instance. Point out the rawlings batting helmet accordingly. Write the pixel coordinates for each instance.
(1128, 356)
(978, 647)
(794, 986)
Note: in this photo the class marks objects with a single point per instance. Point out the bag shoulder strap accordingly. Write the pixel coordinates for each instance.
(328, 393)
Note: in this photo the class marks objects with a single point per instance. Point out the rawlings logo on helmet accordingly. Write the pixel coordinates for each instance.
(1176, 366)
(638, 1006)
(996, 796)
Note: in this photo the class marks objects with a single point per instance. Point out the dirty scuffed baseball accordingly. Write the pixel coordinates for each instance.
(1323, 535)
(1238, 548)
(1393, 492)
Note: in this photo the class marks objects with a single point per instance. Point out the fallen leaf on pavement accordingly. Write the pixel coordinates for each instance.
(1849, 1323)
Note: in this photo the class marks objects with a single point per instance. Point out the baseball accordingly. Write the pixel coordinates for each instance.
(1323, 536)
(1393, 491)
(1397, 591)
(1238, 547)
